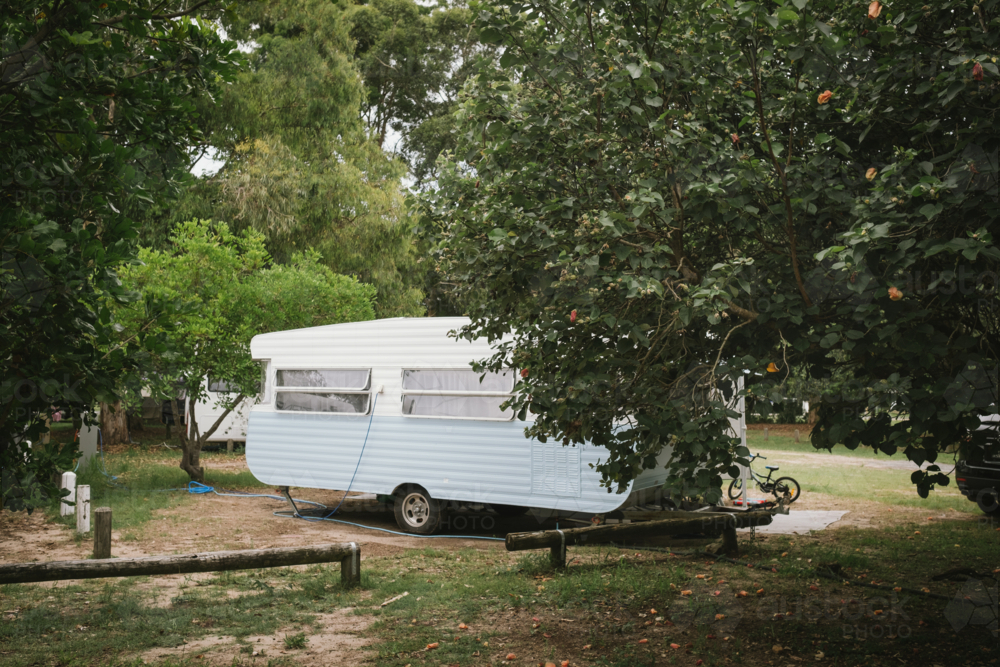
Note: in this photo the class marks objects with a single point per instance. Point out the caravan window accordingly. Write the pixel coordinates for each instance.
(309, 390)
(299, 401)
(330, 378)
(457, 394)
(219, 386)
(458, 380)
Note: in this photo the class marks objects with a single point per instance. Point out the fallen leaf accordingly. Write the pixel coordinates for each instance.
(814, 587)
(777, 648)
(431, 647)
(717, 593)
(511, 656)
(547, 635)
(463, 626)
(699, 576)
(643, 641)
(675, 646)
(819, 655)
(898, 589)
(760, 591)
(685, 592)
(586, 647)
(719, 617)
(741, 594)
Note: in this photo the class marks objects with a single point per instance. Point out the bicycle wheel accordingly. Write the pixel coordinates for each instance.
(735, 488)
(788, 488)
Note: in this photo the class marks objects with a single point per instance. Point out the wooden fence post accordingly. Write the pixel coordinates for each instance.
(83, 509)
(102, 532)
(796, 435)
(68, 482)
(557, 552)
(350, 567)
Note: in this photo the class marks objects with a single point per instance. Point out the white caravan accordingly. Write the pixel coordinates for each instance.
(207, 410)
(392, 407)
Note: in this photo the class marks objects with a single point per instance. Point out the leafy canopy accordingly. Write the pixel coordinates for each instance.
(657, 197)
(300, 166)
(227, 291)
(91, 94)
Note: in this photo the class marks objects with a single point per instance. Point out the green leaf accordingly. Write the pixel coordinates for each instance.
(509, 58)
(930, 210)
(634, 69)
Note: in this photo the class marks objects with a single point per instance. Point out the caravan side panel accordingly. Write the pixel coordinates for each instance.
(470, 461)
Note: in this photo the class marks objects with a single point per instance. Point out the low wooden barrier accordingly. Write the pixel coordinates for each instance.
(347, 554)
(711, 524)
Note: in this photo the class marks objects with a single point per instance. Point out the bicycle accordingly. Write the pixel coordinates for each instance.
(783, 488)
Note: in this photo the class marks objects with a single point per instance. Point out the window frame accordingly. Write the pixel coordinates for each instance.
(453, 392)
(279, 389)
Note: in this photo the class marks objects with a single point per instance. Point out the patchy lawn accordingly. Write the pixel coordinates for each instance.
(860, 593)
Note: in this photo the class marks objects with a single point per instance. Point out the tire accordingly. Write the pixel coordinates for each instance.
(735, 488)
(416, 512)
(989, 502)
(784, 485)
(509, 510)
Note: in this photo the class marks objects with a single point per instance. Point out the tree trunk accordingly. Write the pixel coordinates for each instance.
(114, 424)
(190, 446)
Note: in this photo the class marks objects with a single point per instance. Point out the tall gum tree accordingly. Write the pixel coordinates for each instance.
(657, 197)
(299, 164)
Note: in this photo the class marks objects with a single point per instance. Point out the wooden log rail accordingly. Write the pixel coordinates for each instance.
(712, 524)
(348, 554)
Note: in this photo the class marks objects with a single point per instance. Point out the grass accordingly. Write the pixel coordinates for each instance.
(889, 486)
(607, 599)
(136, 483)
(778, 442)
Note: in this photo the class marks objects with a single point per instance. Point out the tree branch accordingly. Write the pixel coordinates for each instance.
(784, 184)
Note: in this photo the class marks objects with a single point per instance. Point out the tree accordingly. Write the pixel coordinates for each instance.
(231, 293)
(299, 164)
(659, 196)
(414, 61)
(88, 93)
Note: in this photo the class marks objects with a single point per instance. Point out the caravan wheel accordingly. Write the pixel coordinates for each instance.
(416, 511)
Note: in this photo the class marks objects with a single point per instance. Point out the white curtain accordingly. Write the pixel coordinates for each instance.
(333, 378)
(457, 380)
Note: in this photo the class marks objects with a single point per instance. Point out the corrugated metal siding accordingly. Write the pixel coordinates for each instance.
(471, 461)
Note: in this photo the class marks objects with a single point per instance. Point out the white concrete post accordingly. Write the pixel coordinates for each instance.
(83, 509)
(68, 481)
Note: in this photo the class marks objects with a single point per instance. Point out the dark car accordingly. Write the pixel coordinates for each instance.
(978, 475)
